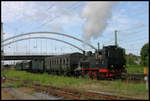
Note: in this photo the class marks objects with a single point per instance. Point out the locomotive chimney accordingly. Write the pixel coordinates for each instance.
(98, 46)
(116, 37)
(84, 52)
(97, 51)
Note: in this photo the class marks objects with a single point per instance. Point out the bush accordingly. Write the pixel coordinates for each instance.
(145, 55)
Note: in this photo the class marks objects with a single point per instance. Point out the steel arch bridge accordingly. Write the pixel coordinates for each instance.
(29, 38)
(56, 33)
(43, 38)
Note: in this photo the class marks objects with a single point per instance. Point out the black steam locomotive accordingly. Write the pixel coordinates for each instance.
(108, 62)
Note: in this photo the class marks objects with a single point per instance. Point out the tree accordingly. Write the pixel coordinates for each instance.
(130, 59)
(145, 54)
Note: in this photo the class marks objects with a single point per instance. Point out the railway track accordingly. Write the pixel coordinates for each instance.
(133, 77)
(72, 94)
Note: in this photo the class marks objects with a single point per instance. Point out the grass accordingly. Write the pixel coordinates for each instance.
(135, 68)
(126, 89)
(43, 78)
(14, 84)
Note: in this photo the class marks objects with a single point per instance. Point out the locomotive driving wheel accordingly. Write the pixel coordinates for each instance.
(90, 75)
(95, 75)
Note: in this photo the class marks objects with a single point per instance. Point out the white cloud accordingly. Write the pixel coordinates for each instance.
(44, 12)
(119, 21)
(28, 11)
(12, 11)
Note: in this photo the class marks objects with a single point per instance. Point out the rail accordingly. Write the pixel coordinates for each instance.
(72, 93)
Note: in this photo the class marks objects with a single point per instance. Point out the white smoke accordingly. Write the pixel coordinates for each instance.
(96, 15)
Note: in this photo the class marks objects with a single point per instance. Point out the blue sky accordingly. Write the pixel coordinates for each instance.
(129, 18)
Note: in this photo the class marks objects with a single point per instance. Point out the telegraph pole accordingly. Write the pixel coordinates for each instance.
(2, 49)
(116, 37)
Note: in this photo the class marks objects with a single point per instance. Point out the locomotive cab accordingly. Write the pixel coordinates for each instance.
(115, 58)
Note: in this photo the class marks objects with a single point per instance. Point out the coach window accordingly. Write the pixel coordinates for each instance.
(58, 61)
(49, 62)
(61, 60)
(64, 60)
(67, 60)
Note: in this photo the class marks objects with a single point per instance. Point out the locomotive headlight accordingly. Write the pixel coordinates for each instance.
(112, 65)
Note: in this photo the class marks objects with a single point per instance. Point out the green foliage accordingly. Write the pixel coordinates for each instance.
(131, 59)
(147, 60)
(145, 55)
(135, 68)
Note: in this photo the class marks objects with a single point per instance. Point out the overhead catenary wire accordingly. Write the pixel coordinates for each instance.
(137, 42)
(133, 40)
(133, 28)
(129, 33)
(50, 20)
(129, 37)
(129, 29)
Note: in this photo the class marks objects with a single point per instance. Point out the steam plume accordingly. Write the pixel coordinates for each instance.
(96, 15)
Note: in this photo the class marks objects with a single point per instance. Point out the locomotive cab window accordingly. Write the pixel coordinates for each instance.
(106, 53)
(100, 56)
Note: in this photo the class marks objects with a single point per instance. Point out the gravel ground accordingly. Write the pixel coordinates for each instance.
(46, 96)
(16, 93)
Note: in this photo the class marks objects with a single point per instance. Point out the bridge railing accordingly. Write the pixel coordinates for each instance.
(31, 53)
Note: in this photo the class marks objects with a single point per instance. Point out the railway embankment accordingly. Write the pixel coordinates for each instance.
(117, 87)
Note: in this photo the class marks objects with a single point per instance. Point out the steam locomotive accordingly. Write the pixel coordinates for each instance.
(108, 62)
